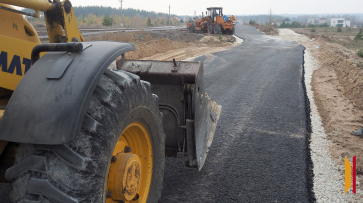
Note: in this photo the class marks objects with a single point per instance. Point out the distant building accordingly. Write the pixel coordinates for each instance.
(316, 21)
(340, 22)
(278, 22)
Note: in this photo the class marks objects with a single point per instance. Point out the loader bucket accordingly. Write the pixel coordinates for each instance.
(190, 117)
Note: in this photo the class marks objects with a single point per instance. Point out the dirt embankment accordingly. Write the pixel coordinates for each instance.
(166, 45)
(155, 47)
(338, 93)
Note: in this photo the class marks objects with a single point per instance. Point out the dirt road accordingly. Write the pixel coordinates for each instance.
(260, 151)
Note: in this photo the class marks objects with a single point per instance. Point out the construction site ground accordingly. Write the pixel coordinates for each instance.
(167, 44)
(337, 87)
(259, 152)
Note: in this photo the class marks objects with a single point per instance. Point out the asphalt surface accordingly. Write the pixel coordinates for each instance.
(260, 151)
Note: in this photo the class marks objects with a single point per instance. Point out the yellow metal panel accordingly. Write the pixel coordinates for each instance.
(54, 29)
(71, 26)
(42, 5)
(1, 114)
(16, 26)
(16, 52)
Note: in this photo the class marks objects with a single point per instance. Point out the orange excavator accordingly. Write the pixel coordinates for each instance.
(214, 22)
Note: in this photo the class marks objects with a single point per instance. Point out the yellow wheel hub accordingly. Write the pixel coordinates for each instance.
(130, 171)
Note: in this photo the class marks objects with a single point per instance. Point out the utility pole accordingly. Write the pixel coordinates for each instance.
(169, 14)
(270, 17)
(195, 13)
(121, 11)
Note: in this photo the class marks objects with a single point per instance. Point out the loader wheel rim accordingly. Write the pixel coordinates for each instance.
(130, 171)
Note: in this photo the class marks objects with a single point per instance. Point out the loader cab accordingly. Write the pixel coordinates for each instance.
(215, 12)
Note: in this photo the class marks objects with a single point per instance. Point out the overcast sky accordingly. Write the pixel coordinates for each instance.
(236, 7)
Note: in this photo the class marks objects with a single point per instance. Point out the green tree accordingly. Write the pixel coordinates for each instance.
(149, 22)
(295, 24)
(360, 53)
(181, 21)
(162, 22)
(359, 36)
(107, 21)
(324, 25)
(252, 22)
(310, 25)
(284, 25)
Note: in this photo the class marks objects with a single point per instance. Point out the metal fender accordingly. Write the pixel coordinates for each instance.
(49, 104)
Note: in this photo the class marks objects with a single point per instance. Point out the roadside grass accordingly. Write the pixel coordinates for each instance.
(360, 53)
(131, 37)
(330, 34)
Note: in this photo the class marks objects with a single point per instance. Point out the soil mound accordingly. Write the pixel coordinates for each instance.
(154, 47)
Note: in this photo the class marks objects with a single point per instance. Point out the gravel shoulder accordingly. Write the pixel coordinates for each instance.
(331, 87)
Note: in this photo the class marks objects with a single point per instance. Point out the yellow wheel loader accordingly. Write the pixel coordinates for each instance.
(75, 127)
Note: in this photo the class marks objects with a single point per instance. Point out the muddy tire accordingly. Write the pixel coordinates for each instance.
(78, 171)
(210, 29)
(231, 32)
(192, 29)
(217, 29)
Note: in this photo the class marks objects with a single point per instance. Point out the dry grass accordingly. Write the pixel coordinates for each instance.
(131, 37)
(344, 38)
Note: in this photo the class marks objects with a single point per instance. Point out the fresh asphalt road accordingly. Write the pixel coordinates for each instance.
(260, 151)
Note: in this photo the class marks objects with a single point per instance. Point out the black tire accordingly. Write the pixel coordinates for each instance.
(192, 29)
(210, 29)
(231, 32)
(217, 29)
(77, 171)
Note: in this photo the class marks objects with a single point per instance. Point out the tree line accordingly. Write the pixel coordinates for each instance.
(107, 16)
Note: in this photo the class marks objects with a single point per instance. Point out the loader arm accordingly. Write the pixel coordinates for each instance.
(58, 15)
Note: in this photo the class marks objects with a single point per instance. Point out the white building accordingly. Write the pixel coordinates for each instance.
(316, 21)
(340, 22)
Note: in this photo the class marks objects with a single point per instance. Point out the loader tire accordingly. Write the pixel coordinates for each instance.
(231, 32)
(217, 29)
(210, 29)
(191, 29)
(122, 112)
